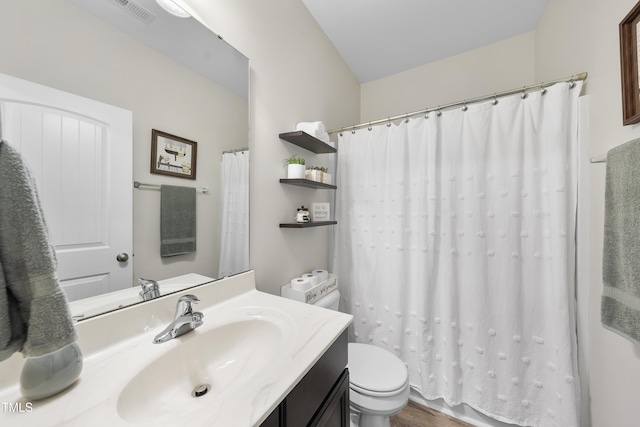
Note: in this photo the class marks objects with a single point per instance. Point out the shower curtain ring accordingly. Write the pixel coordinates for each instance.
(543, 90)
(439, 112)
(572, 84)
(426, 115)
(353, 130)
(464, 107)
(406, 117)
(388, 122)
(369, 126)
(495, 100)
(524, 93)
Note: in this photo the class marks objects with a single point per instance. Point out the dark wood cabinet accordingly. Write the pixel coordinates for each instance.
(335, 411)
(321, 398)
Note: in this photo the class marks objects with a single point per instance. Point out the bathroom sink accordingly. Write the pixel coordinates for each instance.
(198, 367)
(251, 351)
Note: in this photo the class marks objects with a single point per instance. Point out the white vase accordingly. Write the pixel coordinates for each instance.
(295, 171)
(51, 373)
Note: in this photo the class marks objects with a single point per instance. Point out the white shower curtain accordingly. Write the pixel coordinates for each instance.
(234, 236)
(455, 250)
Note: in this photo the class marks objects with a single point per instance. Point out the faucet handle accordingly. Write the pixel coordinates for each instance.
(189, 298)
(150, 289)
(183, 307)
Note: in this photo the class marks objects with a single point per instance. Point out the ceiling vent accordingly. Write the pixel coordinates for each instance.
(135, 10)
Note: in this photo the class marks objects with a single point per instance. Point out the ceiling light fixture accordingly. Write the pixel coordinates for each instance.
(173, 8)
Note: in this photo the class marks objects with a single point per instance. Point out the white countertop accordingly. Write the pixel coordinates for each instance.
(117, 346)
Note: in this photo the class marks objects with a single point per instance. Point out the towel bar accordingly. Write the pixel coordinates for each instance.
(138, 184)
(602, 158)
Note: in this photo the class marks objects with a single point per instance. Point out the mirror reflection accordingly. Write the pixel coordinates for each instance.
(148, 70)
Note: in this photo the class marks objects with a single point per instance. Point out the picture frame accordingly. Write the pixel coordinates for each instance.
(320, 212)
(173, 155)
(629, 68)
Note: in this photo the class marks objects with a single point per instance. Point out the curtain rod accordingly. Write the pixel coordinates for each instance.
(541, 86)
(138, 184)
(235, 150)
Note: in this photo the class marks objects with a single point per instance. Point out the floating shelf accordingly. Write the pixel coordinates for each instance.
(308, 142)
(308, 183)
(308, 224)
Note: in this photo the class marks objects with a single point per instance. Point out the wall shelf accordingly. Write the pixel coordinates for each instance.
(313, 144)
(308, 183)
(308, 224)
(308, 142)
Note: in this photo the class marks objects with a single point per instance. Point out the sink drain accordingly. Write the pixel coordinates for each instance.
(200, 390)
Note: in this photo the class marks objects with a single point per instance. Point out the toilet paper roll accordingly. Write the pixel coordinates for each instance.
(300, 284)
(314, 279)
(322, 274)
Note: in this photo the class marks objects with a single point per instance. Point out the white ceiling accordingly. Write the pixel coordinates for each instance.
(379, 38)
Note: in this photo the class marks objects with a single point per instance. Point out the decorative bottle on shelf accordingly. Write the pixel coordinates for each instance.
(303, 215)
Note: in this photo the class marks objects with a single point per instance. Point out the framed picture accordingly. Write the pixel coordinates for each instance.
(629, 66)
(173, 155)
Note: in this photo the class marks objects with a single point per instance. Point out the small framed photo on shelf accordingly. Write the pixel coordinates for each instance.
(173, 155)
(320, 212)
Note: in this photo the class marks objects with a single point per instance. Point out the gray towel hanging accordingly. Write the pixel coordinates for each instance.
(177, 220)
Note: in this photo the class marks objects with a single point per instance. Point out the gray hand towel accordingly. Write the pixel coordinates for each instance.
(620, 309)
(177, 220)
(34, 313)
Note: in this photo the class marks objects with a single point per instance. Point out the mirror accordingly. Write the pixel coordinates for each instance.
(174, 75)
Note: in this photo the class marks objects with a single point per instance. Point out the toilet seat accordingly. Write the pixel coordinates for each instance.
(382, 394)
(375, 371)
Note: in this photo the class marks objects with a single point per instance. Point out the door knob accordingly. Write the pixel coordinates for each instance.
(122, 257)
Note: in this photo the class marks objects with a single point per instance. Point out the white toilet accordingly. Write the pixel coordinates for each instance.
(378, 380)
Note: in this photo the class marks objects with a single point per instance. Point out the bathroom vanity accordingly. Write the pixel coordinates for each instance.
(257, 360)
(321, 398)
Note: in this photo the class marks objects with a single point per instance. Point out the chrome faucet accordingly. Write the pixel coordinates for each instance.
(150, 289)
(185, 320)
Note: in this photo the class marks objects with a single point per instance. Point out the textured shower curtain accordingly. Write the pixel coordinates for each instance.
(234, 234)
(455, 250)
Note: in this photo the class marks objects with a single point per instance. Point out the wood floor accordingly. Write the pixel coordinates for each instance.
(415, 415)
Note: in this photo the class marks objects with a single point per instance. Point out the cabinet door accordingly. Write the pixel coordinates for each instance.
(335, 410)
(272, 420)
(303, 403)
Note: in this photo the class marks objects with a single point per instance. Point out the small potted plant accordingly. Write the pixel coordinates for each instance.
(313, 173)
(326, 176)
(295, 167)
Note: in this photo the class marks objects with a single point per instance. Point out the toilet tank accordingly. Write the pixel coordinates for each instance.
(331, 301)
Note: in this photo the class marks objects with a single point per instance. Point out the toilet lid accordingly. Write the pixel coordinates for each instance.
(375, 369)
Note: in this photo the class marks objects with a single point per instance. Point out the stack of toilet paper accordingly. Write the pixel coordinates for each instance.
(316, 129)
(310, 287)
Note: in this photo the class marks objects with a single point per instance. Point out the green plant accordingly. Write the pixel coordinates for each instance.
(293, 160)
(317, 168)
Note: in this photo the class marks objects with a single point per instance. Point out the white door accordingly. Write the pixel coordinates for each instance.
(80, 152)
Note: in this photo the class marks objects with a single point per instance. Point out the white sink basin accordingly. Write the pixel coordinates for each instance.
(223, 359)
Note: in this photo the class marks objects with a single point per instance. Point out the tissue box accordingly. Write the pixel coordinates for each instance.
(311, 296)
